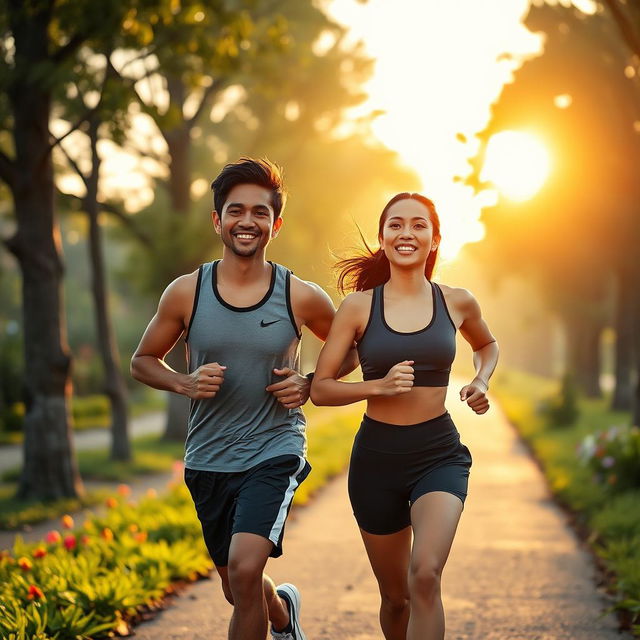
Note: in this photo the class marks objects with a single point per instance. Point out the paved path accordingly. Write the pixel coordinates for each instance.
(150, 423)
(516, 571)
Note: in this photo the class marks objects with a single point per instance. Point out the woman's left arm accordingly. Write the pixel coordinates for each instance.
(485, 351)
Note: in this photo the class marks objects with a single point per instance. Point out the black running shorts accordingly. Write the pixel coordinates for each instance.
(253, 501)
(393, 465)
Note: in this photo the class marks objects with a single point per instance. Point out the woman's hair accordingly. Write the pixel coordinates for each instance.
(371, 268)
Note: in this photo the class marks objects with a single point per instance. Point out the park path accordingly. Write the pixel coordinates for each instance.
(147, 424)
(516, 570)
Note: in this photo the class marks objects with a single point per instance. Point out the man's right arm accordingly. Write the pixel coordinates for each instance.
(164, 330)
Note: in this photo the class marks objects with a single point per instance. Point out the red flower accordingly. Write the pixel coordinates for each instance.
(70, 542)
(35, 593)
(40, 552)
(25, 564)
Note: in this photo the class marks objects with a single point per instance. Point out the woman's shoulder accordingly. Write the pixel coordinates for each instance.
(459, 297)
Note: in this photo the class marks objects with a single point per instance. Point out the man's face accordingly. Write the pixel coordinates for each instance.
(246, 223)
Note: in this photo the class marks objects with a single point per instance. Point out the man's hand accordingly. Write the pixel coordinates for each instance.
(205, 381)
(291, 392)
(476, 396)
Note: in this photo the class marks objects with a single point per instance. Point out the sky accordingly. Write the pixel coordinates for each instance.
(438, 68)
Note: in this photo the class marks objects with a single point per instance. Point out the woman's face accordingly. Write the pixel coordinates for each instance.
(407, 234)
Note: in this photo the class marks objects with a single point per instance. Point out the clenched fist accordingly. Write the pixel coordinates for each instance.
(398, 380)
(205, 381)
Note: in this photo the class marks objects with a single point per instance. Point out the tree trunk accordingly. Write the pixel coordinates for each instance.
(624, 325)
(115, 387)
(178, 140)
(583, 351)
(50, 469)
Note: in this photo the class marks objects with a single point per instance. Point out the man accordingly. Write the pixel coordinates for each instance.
(242, 317)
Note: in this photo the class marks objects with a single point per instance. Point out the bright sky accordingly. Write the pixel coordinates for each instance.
(436, 74)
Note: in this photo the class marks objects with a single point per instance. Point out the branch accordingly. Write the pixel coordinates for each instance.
(625, 26)
(117, 213)
(56, 141)
(89, 113)
(76, 168)
(71, 47)
(216, 85)
(7, 169)
(128, 222)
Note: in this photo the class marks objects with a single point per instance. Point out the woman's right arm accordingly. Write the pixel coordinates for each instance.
(326, 389)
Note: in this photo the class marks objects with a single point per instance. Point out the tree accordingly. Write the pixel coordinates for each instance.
(577, 233)
(40, 39)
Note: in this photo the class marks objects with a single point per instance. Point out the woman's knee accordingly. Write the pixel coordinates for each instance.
(394, 602)
(424, 580)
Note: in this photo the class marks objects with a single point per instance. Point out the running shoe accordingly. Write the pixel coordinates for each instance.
(290, 594)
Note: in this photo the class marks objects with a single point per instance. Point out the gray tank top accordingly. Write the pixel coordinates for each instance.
(243, 424)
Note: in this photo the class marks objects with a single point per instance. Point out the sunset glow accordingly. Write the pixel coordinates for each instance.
(517, 163)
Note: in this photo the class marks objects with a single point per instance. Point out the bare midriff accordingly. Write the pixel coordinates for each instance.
(419, 405)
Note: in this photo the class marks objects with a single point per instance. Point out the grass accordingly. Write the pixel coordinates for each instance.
(93, 412)
(609, 521)
(330, 435)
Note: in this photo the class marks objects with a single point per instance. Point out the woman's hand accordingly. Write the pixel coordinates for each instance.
(398, 380)
(476, 395)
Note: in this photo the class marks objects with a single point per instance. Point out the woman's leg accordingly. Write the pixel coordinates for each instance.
(434, 517)
(389, 558)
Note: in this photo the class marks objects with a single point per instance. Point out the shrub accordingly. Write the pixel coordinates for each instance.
(563, 410)
(614, 457)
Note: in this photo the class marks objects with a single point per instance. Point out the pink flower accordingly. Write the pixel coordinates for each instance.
(53, 537)
(608, 462)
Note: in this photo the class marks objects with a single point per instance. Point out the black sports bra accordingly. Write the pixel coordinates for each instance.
(432, 349)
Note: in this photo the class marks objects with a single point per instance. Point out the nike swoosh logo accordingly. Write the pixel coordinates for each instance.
(266, 324)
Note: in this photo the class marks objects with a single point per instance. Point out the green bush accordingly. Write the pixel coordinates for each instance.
(563, 410)
(613, 455)
(571, 456)
(90, 582)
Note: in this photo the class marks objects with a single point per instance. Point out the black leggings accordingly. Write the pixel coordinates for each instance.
(393, 465)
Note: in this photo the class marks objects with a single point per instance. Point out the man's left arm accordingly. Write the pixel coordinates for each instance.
(313, 308)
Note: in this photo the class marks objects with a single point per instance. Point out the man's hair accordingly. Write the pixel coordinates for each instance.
(262, 172)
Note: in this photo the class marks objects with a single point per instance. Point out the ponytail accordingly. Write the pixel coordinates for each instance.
(371, 268)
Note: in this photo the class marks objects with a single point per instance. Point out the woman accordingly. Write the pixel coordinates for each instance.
(408, 469)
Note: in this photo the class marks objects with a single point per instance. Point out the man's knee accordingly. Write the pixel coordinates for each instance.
(244, 574)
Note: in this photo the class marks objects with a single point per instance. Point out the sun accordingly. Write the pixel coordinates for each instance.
(517, 163)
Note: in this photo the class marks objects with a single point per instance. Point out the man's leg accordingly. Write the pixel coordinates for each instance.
(254, 596)
(278, 611)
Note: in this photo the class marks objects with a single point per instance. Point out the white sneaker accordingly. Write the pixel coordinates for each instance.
(291, 596)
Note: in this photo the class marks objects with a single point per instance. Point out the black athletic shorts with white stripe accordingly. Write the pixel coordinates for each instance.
(253, 501)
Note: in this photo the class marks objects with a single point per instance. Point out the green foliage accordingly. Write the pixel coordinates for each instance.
(562, 410)
(613, 455)
(124, 559)
(88, 582)
(612, 516)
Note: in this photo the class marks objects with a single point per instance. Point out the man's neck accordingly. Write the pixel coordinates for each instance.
(237, 270)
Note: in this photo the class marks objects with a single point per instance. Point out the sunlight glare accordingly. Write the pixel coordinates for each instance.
(517, 163)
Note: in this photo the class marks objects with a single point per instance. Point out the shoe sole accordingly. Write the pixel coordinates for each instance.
(294, 596)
